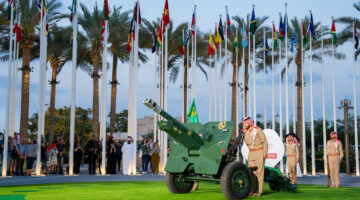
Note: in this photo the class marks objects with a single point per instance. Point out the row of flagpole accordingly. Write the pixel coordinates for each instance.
(13, 57)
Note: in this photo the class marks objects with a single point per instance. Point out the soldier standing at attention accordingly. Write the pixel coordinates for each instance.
(292, 157)
(258, 148)
(335, 155)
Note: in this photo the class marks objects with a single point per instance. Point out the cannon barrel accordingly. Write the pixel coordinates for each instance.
(176, 129)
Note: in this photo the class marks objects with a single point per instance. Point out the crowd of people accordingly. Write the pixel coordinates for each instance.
(22, 154)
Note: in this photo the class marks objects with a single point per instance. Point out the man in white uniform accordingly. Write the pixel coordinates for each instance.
(127, 153)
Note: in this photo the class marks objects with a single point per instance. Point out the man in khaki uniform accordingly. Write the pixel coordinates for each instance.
(292, 157)
(335, 155)
(258, 148)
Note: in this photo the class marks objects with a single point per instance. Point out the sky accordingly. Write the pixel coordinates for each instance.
(208, 12)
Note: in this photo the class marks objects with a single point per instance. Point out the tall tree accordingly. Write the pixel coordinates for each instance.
(316, 52)
(238, 27)
(91, 24)
(58, 50)
(29, 46)
(118, 23)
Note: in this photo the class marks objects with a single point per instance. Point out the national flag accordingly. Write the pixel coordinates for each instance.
(106, 10)
(47, 29)
(293, 42)
(235, 45)
(311, 26)
(211, 45)
(181, 47)
(217, 38)
(227, 23)
(275, 42)
(304, 34)
(153, 49)
(193, 23)
(73, 7)
(9, 13)
(159, 34)
(166, 17)
(281, 29)
(253, 23)
(71, 39)
(18, 32)
(10, 1)
(38, 4)
(266, 47)
(192, 113)
(333, 33)
(129, 42)
(356, 38)
(187, 36)
(244, 41)
(135, 13)
(221, 30)
(102, 33)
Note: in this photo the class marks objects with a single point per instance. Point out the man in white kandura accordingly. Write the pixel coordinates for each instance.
(127, 153)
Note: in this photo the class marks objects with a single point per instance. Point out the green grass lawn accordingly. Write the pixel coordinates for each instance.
(158, 190)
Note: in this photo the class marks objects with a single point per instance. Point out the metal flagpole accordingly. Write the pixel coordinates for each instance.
(293, 93)
(183, 86)
(166, 89)
(187, 65)
(42, 77)
(220, 85)
(103, 99)
(333, 81)
(225, 69)
(195, 84)
(280, 103)
(272, 82)
(249, 77)
(210, 101)
(264, 80)
(323, 100)
(302, 101)
(236, 85)
(13, 85)
(73, 91)
(286, 74)
(355, 110)
(135, 67)
(155, 95)
(243, 64)
(215, 84)
(6, 134)
(312, 113)
(254, 76)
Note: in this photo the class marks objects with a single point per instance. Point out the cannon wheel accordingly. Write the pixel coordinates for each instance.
(177, 185)
(235, 181)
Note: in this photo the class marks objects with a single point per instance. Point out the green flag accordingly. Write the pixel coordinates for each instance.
(333, 32)
(192, 113)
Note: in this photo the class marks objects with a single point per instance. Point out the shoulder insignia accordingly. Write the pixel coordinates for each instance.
(255, 127)
(243, 130)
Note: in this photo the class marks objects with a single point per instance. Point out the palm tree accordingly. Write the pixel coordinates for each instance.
(29, 46)
(91, 24)
(174, 57)
(346, 34)
(59, 49)
(316, 51)
(240, 22)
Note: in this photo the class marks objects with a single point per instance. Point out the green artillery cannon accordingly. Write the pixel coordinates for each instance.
(200, 153)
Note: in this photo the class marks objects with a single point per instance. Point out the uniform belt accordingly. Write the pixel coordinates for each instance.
(257, 149)
(333, 154)
(291, 155)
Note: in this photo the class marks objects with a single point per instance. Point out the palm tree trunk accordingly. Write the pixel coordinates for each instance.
(113, 95)
(185, 90)
(95, 110)
(233, 100)
(52, 102)
(24, 118)
(299, 126)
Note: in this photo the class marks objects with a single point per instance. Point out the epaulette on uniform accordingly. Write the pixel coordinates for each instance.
(255, 127)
